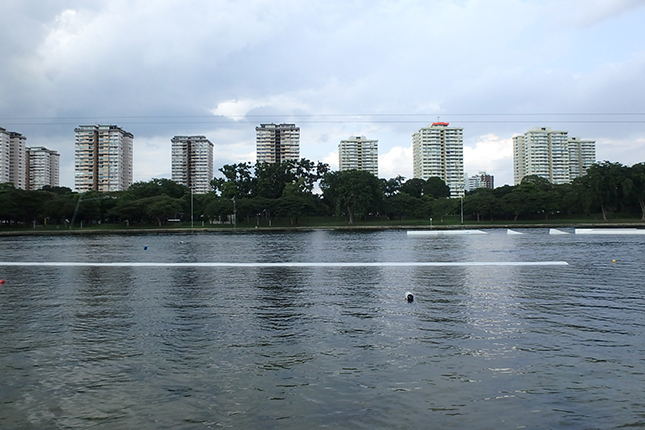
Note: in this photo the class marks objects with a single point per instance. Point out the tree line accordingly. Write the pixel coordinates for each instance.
(255, 194)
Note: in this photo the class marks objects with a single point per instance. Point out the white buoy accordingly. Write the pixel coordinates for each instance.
(556, 231)
(509, 231)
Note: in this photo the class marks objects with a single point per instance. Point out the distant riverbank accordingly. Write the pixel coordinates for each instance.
(246, 229)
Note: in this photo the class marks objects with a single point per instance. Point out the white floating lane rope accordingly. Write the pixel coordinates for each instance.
(284, 264)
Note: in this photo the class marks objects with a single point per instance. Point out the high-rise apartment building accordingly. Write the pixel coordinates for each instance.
(358, 153)
(103, 158)
(480, 180)
(192, 162)
(438, 150)
(43, 168)
(13, 163)
(582, 154)
(552, 155)
(5, 157)
(277, 143)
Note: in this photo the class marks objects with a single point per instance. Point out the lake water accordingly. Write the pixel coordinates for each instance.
(335, 347)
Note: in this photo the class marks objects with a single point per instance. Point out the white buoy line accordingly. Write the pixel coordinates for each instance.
(445, 232)
(606, 231)
(285, 264)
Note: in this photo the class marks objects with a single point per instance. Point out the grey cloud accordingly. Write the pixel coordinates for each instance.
(159, 68)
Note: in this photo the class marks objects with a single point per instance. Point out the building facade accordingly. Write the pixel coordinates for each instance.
(192, 162)
(13, 158)
(18, 160)
(552, 155)
(358, 153)
(43, 167)
(480, 180)
(103, 158)
(277, 143)
(438, 150)
(582, 154)
(5, 156)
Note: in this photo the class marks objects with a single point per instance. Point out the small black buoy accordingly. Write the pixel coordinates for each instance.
(409, 297)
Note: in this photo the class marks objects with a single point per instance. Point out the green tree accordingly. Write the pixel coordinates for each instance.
(436, 188)
(9, 210)
(392, 186)
(637, 176)
(605, 186)
(354, 192)
(481, 202)
(238, 181)
(401, 205)
(160, 207)
(413, 187)
(444, 207)
(524, 199)
(158, 187)
(296, 201)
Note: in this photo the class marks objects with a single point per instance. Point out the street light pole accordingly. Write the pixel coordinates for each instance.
(461, 194)
(234, 215)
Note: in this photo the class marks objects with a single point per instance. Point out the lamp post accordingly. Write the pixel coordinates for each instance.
(461, 195)
(191, 208)
(234, 215)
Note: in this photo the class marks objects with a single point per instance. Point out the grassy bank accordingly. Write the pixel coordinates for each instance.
(319, 223)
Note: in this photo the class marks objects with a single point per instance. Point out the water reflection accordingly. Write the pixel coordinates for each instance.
(481, 347)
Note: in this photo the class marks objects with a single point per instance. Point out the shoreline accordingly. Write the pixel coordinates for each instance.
(264, 229)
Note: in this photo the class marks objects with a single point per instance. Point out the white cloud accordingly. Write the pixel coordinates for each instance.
(332, 160)
(220, 68)
(237, 109)
(626, 151)
(397, 161)
(590, 12)
(491, 154)
(151, 158)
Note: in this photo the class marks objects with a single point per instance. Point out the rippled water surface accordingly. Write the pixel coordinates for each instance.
(335, 347)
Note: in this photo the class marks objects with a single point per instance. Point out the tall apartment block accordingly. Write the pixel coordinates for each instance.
(277, 143)
(480, 180)
(103, 158)
(13, 165)
(5, 144)
(358, 153)
(192, 162)
(43, 168)
(438, 150)
(582, 154)
(552, 155)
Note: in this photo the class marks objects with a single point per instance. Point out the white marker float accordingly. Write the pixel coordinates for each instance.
(283, 264)
(609, 231)
(444, 232)
(556, 231)
(511, 232)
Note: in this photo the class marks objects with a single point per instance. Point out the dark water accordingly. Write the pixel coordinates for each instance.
(334, 347)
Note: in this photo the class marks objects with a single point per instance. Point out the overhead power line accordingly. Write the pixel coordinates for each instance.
(347, 118)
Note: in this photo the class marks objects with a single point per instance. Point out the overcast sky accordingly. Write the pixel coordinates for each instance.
(382, 69)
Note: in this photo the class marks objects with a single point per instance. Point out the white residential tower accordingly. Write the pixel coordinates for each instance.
(358, 153)
(552, 155)
(103, 158)
(277, 143)
(438, 150)
(192, 162)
